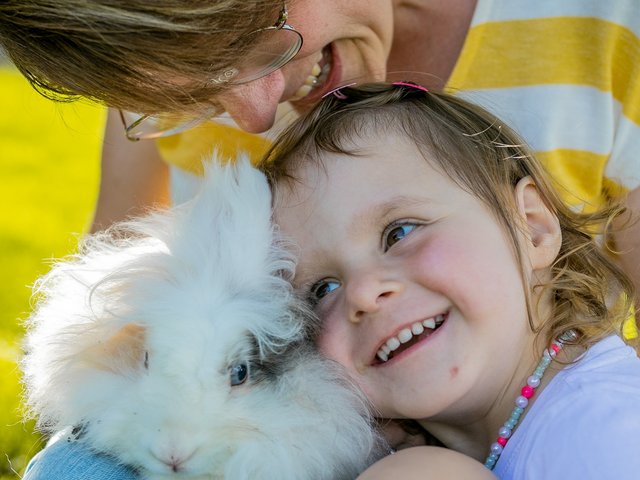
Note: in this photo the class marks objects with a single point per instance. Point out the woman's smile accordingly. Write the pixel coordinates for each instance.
(318, 82)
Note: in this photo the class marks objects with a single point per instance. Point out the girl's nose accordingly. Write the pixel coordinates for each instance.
(370, 294)
(253, 105)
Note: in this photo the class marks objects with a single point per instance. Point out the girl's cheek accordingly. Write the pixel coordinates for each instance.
(432, 256)
(332, 341)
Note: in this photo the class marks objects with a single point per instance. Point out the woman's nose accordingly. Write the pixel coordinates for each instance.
(253, 105)
(370, 294)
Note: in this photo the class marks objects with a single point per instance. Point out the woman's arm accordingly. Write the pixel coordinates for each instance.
(628, 240)
(133, 177)
(72, 460)
(427, 463)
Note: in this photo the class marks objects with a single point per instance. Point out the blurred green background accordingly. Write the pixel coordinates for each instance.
(49, 173)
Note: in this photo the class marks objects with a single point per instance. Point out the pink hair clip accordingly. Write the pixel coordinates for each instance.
(411, 85)
(337, 93)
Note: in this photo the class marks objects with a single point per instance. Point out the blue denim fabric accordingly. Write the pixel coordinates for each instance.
(70, 460)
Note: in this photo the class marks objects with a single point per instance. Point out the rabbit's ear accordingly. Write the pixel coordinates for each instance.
(123, 353)
(231, 218)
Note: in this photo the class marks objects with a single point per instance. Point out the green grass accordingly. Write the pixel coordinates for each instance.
(49, 159)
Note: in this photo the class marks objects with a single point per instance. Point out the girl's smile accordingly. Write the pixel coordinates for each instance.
(408, 337)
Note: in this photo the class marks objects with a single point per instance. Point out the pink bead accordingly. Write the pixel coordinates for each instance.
(502, 441)
(527, 391)
(555, 347)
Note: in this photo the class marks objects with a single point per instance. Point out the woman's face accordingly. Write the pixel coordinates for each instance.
(347, 40)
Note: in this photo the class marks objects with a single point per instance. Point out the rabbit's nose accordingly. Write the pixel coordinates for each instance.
(174, 460)
(175, 464)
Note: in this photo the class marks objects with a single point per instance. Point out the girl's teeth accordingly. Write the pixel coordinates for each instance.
(393, 343)
(315, 71)
(407, 334)
(417, 328)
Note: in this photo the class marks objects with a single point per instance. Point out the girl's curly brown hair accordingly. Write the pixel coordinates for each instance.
(589, 292)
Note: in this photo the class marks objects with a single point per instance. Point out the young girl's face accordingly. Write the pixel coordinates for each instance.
(415, 281)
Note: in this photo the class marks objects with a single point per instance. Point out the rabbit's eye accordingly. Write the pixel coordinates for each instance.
(238, 374)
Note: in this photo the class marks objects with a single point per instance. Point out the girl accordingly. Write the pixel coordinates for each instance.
(454, 284)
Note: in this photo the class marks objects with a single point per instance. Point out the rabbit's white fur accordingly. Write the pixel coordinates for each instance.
(134, 338)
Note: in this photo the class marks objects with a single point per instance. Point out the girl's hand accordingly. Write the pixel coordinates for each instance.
(403, 434)
(427, 463)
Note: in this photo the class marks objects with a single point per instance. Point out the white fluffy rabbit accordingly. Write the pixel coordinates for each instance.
(175, 344)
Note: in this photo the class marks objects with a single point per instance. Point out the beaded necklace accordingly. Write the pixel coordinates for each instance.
(533, 382)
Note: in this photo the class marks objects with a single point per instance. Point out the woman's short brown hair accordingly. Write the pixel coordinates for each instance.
(147, 56)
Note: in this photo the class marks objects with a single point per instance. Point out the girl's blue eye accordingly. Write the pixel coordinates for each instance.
(323, 288)
(396, 233)
(238, 374)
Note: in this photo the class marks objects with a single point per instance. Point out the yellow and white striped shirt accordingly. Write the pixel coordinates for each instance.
(566, 75)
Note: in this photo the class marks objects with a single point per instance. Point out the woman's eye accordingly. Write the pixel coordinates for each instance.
(396, 233)
(323, 288)
(238, 374)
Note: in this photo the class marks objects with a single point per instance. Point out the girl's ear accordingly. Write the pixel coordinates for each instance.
(542, 227)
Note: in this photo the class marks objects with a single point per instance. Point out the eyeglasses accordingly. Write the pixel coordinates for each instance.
(274, 47)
